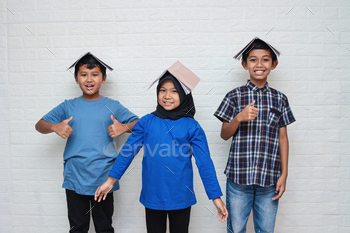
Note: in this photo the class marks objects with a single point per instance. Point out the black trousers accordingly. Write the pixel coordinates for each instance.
(179, 220)
(80, 207)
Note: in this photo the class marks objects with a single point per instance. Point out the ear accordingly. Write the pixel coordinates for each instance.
(76, 78)
(274, 64)
(104, 78)
(244, 64)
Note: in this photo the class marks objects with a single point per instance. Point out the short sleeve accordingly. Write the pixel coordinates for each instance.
(123, 115)
(56, 115)
(286, 117)
(226, 111)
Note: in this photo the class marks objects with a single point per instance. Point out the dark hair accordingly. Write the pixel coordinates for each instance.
(258, 44)
(90, 63)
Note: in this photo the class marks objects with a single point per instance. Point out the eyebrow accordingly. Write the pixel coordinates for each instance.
(82, 72)
(170, 88)
(262, 56)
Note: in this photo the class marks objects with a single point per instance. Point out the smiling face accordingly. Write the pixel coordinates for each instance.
(168, 97)
(90, 81)
(259, 64)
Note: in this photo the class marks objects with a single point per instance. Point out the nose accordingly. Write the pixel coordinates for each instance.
(167, 95)
(260, 62)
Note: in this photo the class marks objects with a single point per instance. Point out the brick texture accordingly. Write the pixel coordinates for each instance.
(39, 39)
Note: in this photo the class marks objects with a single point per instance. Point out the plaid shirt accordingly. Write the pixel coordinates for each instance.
(254, 157)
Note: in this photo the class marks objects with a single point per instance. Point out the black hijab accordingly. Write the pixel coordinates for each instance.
(186, 107)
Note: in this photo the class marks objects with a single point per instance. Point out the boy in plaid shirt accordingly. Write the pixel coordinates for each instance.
(255, 116)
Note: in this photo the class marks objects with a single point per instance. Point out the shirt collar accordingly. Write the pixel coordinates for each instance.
(253, 87)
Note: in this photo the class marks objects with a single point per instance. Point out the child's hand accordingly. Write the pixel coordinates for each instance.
(103, 189)
(116, 129)
(222, 210)
(63, 129)
(249, 113)
(280, 187)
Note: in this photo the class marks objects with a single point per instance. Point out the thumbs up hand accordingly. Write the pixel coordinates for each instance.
(116, 129)
(63, 129)
(249, 113)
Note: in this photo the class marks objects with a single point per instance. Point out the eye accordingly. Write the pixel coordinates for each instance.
(174, 91)
(266, 60)
(252, 60)
(83, 75)
(161, 90)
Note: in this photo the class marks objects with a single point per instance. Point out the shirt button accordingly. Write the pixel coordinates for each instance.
(258, 131)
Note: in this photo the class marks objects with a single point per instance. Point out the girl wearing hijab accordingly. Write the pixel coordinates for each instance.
(170, 136)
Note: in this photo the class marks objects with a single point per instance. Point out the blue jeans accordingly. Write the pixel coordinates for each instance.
(241, 199)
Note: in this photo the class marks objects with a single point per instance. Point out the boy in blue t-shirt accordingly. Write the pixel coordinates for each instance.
(89, 123)
(255, 116)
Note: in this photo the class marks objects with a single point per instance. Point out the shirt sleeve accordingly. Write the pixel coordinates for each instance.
(204, 163)
(57, 114)
(287, 115)
(129, 150)
(226, 111)
(123, 115)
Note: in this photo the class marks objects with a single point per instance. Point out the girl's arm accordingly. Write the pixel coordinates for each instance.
(222, 210)
(126, 155)
(104, 188)
(206, 169)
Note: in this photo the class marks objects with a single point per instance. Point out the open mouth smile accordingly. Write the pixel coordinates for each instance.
(89, 87)
(259, 72)
(167, 103)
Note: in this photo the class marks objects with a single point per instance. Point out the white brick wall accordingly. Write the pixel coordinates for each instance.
(40, 38)
(5, 158)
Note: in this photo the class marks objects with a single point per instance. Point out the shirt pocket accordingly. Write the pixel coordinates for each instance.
(273, 117)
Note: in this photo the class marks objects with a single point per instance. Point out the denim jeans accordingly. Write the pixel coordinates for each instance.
(241, 199)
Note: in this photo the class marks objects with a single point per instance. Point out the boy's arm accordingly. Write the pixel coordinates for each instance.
(117, 128)
(62, 128)
(228, 129)
(284, 148)
(249, 113)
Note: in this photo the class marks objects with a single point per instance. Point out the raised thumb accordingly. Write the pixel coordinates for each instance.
(68, 120)
(113, 119)
(252, 103)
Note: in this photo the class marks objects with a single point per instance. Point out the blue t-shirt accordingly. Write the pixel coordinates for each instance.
(89, 153)
(167, 174)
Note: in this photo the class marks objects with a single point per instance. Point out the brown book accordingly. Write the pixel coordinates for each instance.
(185, 76)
